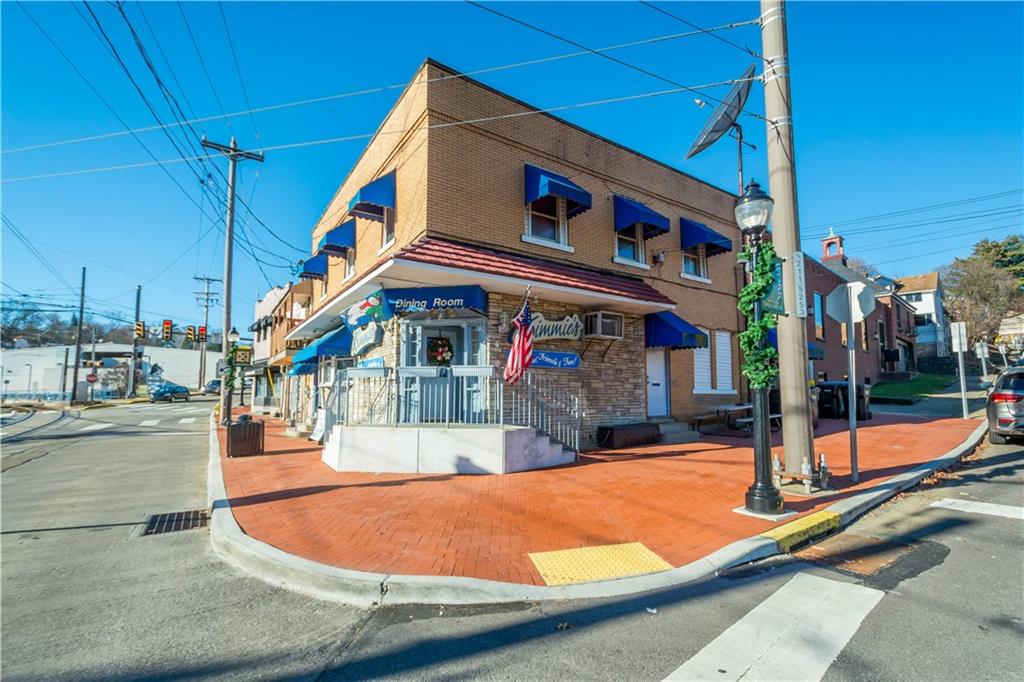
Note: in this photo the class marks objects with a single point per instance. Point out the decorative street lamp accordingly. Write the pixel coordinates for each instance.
(228, 384)
(753, 214)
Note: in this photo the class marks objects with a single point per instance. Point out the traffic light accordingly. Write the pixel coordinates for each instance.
(168, 330)
(202, 335)
(140, 330)
(190, 333)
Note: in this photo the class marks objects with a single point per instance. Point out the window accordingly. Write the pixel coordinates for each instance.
(629, 246)
(844, 334)
(387, 230)
(723, 362)
(913, 298)
(924, 319)
(864, 345)
(819, 316)
(702, 368)
(695, 263)
(546, 222)
(899, 318)
(350, 263)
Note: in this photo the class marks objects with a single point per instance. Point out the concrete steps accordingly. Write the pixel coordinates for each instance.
(673, 432)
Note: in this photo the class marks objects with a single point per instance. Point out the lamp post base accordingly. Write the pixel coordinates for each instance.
(761, 500)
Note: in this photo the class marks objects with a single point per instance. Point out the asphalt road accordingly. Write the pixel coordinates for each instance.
(912, 591)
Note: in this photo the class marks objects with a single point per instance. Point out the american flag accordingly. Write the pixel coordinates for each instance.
(520, 357)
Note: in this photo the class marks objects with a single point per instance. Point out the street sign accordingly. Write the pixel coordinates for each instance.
(981, 349)
(243, 355)
(959, 334)
(837, 303)
(774, 300)
(91, 378)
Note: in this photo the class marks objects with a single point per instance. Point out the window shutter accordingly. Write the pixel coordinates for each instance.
(723, 361)
(702, 367)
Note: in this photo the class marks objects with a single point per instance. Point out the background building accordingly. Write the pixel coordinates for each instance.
(924, 292)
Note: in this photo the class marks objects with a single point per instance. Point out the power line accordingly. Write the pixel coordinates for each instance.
(621, 62)
(892, 214)
(956, 217)
(364, 136)
(202, 63)
(742, 48)
(35, 252)
(380, 89)
(238, 69)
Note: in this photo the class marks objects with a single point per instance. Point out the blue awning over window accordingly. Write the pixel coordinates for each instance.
(339, 240)
(629, 212)
(665, 329)
(314, 268)
(814, 351)
(372, 199)
(694, 233)
(335, 343)
(542, 183)
(302, 368)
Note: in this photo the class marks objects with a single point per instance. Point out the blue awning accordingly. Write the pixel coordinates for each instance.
(314, 268)
(542, 183)
(372, 199)
(814, 350)
(339, 240)
(302, 368)
(629, 212)
(665, 329)
(694, 233)
(337, 342)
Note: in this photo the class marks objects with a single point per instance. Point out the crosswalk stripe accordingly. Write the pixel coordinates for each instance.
(186, 420)
(795, 634)
(96, 427)
(988, 508)
(149, 422)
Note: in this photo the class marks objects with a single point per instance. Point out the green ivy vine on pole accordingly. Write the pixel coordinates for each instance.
(760, 360)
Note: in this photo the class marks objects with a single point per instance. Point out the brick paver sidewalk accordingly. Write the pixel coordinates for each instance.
(675, 499)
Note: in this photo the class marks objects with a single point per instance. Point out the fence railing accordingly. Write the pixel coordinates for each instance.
(453, 396)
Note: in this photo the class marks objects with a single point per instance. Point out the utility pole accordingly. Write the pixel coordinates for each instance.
(234, 154)
(78, 340)
(92, 386)
(797, 429)
(64, 374)
(135, 343)
(205, 298)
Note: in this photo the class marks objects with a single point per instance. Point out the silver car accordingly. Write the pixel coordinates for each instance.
(1005, 407)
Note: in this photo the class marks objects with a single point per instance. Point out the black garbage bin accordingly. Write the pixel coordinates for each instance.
(834, 400)
(245, 437)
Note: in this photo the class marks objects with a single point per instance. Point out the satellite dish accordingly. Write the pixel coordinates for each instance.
(724, 117)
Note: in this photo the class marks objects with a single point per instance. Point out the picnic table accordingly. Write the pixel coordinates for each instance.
(725, 415)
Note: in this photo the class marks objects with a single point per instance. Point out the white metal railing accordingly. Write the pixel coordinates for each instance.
(454, 396)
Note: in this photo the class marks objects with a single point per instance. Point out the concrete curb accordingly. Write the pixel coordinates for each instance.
(841, 514)
(100, 406)
(364, 589)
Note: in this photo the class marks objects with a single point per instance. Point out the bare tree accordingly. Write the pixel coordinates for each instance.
(980, 295)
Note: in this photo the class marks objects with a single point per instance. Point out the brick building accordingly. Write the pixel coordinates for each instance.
(629, 264)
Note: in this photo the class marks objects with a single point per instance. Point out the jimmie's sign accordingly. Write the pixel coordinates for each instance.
(569, 327)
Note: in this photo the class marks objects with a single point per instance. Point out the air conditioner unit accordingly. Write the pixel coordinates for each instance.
(602, 324)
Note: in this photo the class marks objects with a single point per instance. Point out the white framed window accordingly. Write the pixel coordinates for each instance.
(723, 362)
(387, 229)
(695, 263)
(629, 247)
(350, 263)
(702, 367)
(547, 224)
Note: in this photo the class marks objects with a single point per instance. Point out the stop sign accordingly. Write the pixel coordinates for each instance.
(91, 378)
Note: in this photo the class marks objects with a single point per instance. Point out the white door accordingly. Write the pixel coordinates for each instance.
(657, 383)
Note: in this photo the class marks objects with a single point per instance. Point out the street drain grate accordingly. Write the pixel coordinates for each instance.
(172, 522)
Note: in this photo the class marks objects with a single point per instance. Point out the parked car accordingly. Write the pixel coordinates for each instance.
(1005, 406)
(212, 387)
(169, 392)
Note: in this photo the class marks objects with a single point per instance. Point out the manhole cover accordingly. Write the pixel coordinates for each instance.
(172, 522)
(853, 553)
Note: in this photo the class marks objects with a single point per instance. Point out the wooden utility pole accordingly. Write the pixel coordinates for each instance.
(234, 154)
(794, 382)
(78, 340)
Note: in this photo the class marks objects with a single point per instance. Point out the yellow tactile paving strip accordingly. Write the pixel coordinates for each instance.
(587, 564)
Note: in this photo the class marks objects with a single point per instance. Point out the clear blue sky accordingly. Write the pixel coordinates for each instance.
(897, 105)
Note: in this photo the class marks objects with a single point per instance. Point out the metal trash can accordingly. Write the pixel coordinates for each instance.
(245, 437)
(831, 399)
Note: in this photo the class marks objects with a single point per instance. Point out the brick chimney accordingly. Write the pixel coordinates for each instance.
(832, 247)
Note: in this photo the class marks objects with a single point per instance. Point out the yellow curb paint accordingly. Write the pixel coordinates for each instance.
(587, 564)
(793, 533)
